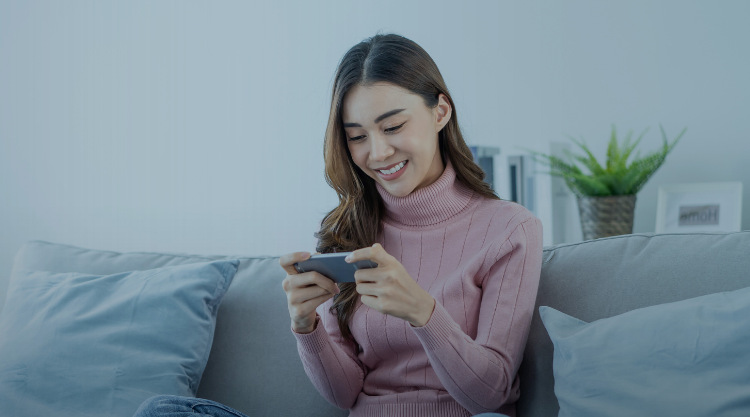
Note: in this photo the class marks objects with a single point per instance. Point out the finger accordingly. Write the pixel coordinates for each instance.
(315, 302)
(370, 301)
(287, 261)
(367, 275)
(301, 295)
(370, 289)
(358, 255)
(375, 253)
(307, 279)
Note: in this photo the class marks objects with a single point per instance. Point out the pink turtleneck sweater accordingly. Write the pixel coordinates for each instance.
(481, 260)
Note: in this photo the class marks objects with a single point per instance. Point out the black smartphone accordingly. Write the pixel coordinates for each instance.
(333, 266)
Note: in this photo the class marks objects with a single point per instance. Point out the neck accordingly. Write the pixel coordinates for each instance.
(433, 204)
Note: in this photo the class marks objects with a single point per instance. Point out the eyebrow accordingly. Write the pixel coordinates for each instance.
(377, 119)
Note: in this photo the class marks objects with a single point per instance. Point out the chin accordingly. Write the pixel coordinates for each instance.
(398, 191)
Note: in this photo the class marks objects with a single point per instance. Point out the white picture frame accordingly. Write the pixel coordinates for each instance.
(699, 207)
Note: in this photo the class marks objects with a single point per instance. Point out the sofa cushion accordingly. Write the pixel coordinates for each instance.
(602, 278)
(254, 363)
(79, 344)
(686, 358)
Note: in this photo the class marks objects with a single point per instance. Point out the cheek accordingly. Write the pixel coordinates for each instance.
(359, 155)
(418, 140)
(415, 147)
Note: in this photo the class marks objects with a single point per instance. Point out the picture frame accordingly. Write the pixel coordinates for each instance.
(699, 207)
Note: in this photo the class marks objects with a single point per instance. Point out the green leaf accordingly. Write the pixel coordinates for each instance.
(629, 149)
(612, 150)
(640, 171)
(592, 164)
(618, 178)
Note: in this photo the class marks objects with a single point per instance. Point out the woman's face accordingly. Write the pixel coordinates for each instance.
(387, 125)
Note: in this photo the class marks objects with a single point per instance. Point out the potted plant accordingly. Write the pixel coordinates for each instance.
(606, 194)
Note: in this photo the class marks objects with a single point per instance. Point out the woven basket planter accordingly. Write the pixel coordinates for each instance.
(606, 216)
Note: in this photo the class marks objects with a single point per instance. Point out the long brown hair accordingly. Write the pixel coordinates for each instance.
(356, 222)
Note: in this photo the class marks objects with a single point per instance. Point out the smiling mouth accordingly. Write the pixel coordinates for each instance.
(399, 166)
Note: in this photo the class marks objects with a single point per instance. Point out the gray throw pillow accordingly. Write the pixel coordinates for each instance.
(76, 344)
(687, 358)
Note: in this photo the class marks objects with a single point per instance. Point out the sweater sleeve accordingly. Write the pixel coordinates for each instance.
(330, 360)
(480, 373)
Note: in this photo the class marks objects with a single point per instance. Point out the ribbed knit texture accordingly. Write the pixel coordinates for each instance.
(430, 205)
(481, 261)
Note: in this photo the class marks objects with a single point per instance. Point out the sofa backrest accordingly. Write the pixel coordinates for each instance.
(254, 366)
(602, 278)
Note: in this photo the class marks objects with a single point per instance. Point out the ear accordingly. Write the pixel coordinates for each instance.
(443, 112)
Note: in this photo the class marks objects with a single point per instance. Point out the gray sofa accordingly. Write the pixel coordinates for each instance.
(254, 366)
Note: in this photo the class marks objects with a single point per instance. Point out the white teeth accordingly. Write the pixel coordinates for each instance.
(394, 169)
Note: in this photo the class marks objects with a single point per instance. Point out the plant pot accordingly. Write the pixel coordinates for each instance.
(606, 216)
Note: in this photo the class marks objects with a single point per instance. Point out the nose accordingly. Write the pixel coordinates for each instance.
(381, 149)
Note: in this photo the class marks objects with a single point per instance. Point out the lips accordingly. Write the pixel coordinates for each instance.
(395, 175)
(389, 166)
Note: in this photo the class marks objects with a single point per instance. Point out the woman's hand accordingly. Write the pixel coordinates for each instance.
(304, 292)
(389, 289)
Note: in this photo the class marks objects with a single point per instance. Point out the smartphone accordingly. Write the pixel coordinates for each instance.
(333, 266)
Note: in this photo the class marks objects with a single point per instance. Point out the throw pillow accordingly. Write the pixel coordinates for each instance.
(75, 344)
(687, 358)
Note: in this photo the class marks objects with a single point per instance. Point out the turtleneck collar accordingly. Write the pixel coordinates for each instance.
(430, 205)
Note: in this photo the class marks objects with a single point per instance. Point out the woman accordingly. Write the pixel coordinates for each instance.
(438, 328)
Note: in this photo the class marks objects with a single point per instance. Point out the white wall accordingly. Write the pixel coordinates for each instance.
(189, 126)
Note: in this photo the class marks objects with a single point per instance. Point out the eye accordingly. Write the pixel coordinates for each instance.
(396, 128)
(389, 130)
